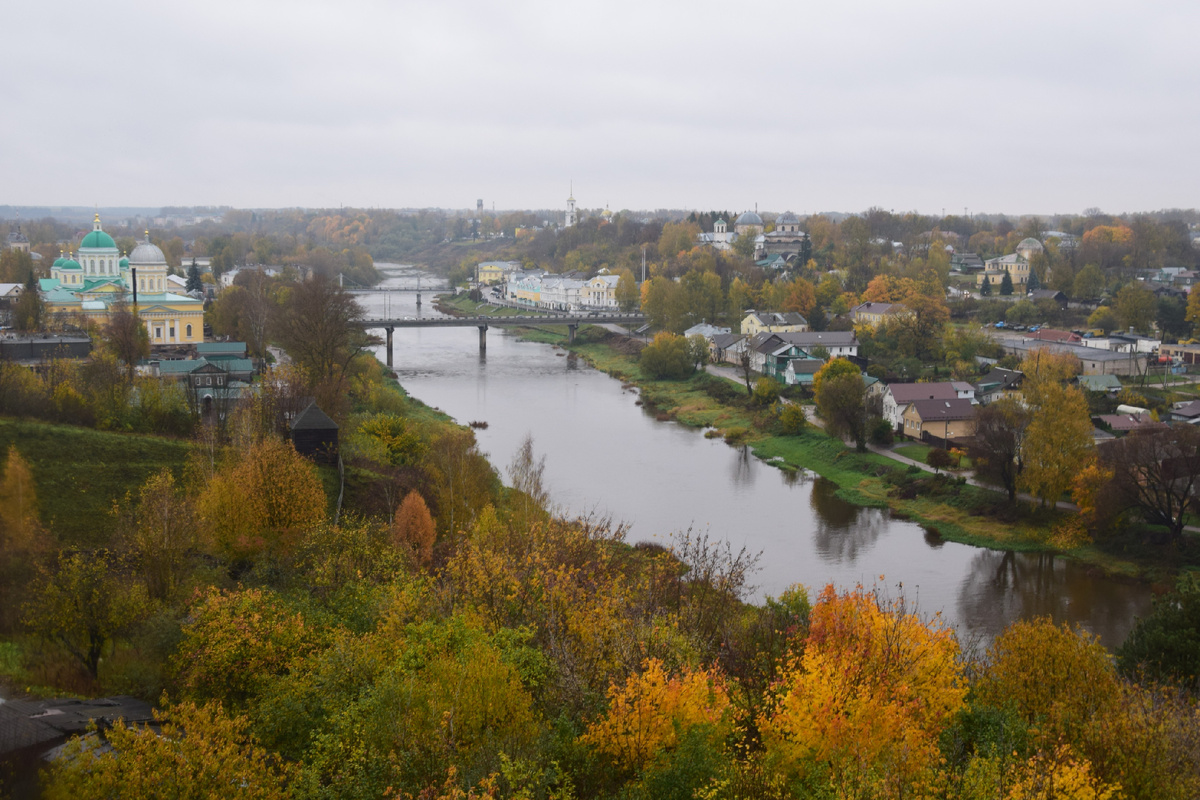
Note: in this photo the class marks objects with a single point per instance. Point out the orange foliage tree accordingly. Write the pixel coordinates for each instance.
(413, 528)
(866, 700)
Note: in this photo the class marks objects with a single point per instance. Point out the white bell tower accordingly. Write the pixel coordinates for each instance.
(571, 218)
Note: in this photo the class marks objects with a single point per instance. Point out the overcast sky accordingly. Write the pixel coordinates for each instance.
(1018, 107)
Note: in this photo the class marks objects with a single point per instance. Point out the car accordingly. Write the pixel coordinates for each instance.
(1000, 324)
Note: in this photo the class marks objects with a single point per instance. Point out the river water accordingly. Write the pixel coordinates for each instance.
(605, 455)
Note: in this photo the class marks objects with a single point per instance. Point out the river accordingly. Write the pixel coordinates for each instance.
(605, 455)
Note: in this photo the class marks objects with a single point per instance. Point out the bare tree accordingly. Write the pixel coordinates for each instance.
(126, 336)
(998, 441)
(1157, 471)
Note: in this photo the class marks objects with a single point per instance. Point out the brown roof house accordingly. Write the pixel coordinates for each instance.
(939, 420)
(315, 435)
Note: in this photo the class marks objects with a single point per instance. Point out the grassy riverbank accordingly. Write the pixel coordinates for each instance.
(954, 510)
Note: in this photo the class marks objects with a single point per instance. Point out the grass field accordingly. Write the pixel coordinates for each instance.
(80, 472)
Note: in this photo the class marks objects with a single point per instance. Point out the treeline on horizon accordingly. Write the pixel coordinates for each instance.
(273, 235)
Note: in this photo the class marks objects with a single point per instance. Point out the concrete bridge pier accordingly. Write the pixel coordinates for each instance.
(483, 338)
(389, 345)
(571, 332)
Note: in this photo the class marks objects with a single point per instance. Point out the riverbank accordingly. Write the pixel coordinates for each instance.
(944, 505)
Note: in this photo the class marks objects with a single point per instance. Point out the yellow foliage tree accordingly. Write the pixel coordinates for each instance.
(199, 751)
(1054, 677)
(264, 502)
(1058, 442)
(866, 700)
(649, 713)
(1060, 775)
(20, 530)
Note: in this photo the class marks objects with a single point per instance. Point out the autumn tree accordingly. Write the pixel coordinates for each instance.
(667, 357)
(1051, 675)
(863, 703)
(841, 398)
(1104, 319)
(527, 473)
(235, 641)
(413, 528)
(801, 297)
(676, 238)
(654, 710)
(22, 537)
(80, 604)
(1157, 471)
(192, 752)
(998, 444)
(1135, 306)
(626, 293)
(1058, 440)
(262, 503)
(158, 532)
(1193, 310)
(126, 337)
(1088, 283)
(465, 482)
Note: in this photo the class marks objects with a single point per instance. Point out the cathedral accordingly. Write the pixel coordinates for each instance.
(89, 282)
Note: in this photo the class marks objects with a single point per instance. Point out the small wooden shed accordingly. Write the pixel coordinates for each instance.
(315, 435)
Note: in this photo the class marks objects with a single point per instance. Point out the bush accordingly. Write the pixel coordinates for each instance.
(939, 459)
(667, 357)
(766, 391)
(792, 419)
(881, 432)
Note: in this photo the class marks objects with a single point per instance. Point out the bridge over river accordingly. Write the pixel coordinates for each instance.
(572, 321)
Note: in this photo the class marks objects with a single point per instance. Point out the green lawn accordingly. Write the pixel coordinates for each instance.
(80, 472)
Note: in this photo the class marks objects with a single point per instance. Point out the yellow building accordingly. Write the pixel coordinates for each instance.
(88, 283)
(872, 315)
(773, 322)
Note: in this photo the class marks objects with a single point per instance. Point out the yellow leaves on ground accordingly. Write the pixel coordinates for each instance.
(647, 716)
(868, 697)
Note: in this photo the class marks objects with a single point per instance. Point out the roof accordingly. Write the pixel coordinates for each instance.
(779, 317)
(237, 349)
(877, 308)
(943, 410)
(1123, 422)
(1000, 378)
(180, 366)
(1046, 294)
(313, 419)
(1049, 335)
(725, 340)
(147, 253)
(908, 392)
(97, 239)
(787, 218)
(1102, 383)
(805, 365)
(822, 338)
(749, 218)
(1188, 410)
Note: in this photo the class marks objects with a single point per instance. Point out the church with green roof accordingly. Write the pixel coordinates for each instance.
(87, 283)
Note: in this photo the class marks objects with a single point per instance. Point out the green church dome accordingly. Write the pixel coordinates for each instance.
(70, 263)
(124, 263)
(97, 239)
(58, 262)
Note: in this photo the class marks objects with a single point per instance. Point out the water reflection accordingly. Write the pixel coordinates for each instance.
(743, 467)
(844, 532)
(1003, 586)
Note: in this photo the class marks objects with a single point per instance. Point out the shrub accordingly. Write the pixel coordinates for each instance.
(881, 432)
(792, 419)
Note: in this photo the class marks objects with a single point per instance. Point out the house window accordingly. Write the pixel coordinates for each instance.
(220, 381)
(208, 381)
(158, 333)
(189, 331)
(171, 331)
